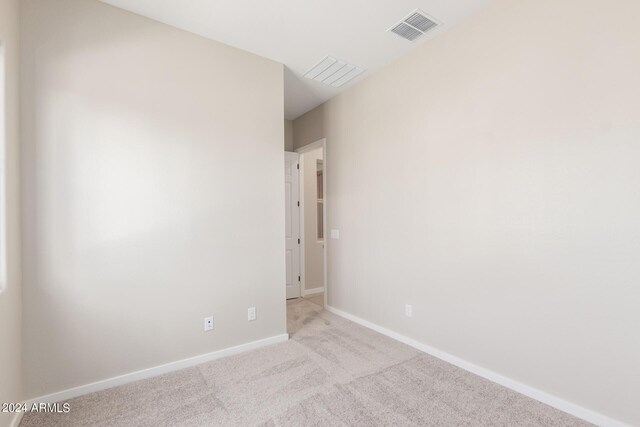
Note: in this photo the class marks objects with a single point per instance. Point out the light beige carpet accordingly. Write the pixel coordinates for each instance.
(331, 372)
(316, 298)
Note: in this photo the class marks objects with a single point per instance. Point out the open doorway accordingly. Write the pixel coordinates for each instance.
(306, 217)
(312, 222)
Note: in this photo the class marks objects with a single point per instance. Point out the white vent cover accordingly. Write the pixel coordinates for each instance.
(414, 25)
(333, 72)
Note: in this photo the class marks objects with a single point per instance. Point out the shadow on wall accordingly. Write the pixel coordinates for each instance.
(309, 127)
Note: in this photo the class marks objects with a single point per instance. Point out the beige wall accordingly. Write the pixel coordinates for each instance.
(490, 179)
(313, 249)
(308, 128)
(10, 290)
(288, 135)
(141, 182)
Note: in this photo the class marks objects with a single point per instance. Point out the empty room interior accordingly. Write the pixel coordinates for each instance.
(319, 213)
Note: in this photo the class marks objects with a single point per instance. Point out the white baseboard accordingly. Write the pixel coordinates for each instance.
(307, 292)
(155, 371)
(17, 418)
(539, 395)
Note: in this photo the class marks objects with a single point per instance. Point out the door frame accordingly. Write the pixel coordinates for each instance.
(321, 143)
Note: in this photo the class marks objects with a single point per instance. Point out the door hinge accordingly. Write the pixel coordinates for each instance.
(298, 278)
(298, 241)
(298, 204)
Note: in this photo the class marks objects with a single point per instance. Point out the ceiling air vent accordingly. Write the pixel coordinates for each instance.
(333, 72)
(414, 25)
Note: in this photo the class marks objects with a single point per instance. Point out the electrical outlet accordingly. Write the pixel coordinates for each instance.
(208, 323)
(251, 314)
(408, 310)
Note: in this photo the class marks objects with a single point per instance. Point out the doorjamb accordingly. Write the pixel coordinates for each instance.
(321, 143)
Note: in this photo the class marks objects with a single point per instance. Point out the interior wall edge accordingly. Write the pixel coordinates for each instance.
(527, 390)
(155, 371)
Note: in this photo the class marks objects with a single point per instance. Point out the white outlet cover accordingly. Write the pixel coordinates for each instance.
(208, 323)
(251, 314)
(408, 310)
(335, 234)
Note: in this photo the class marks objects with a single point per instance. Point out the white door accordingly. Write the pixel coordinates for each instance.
(292, 221)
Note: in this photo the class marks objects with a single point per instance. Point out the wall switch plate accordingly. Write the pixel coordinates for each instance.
(208, 323)
(251, 314)
(335, 234)
(408, 310)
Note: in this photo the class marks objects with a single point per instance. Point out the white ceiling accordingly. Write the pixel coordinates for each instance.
(299, 33)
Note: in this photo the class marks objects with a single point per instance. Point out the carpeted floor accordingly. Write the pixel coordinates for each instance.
(316, 298)
(331, 372)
